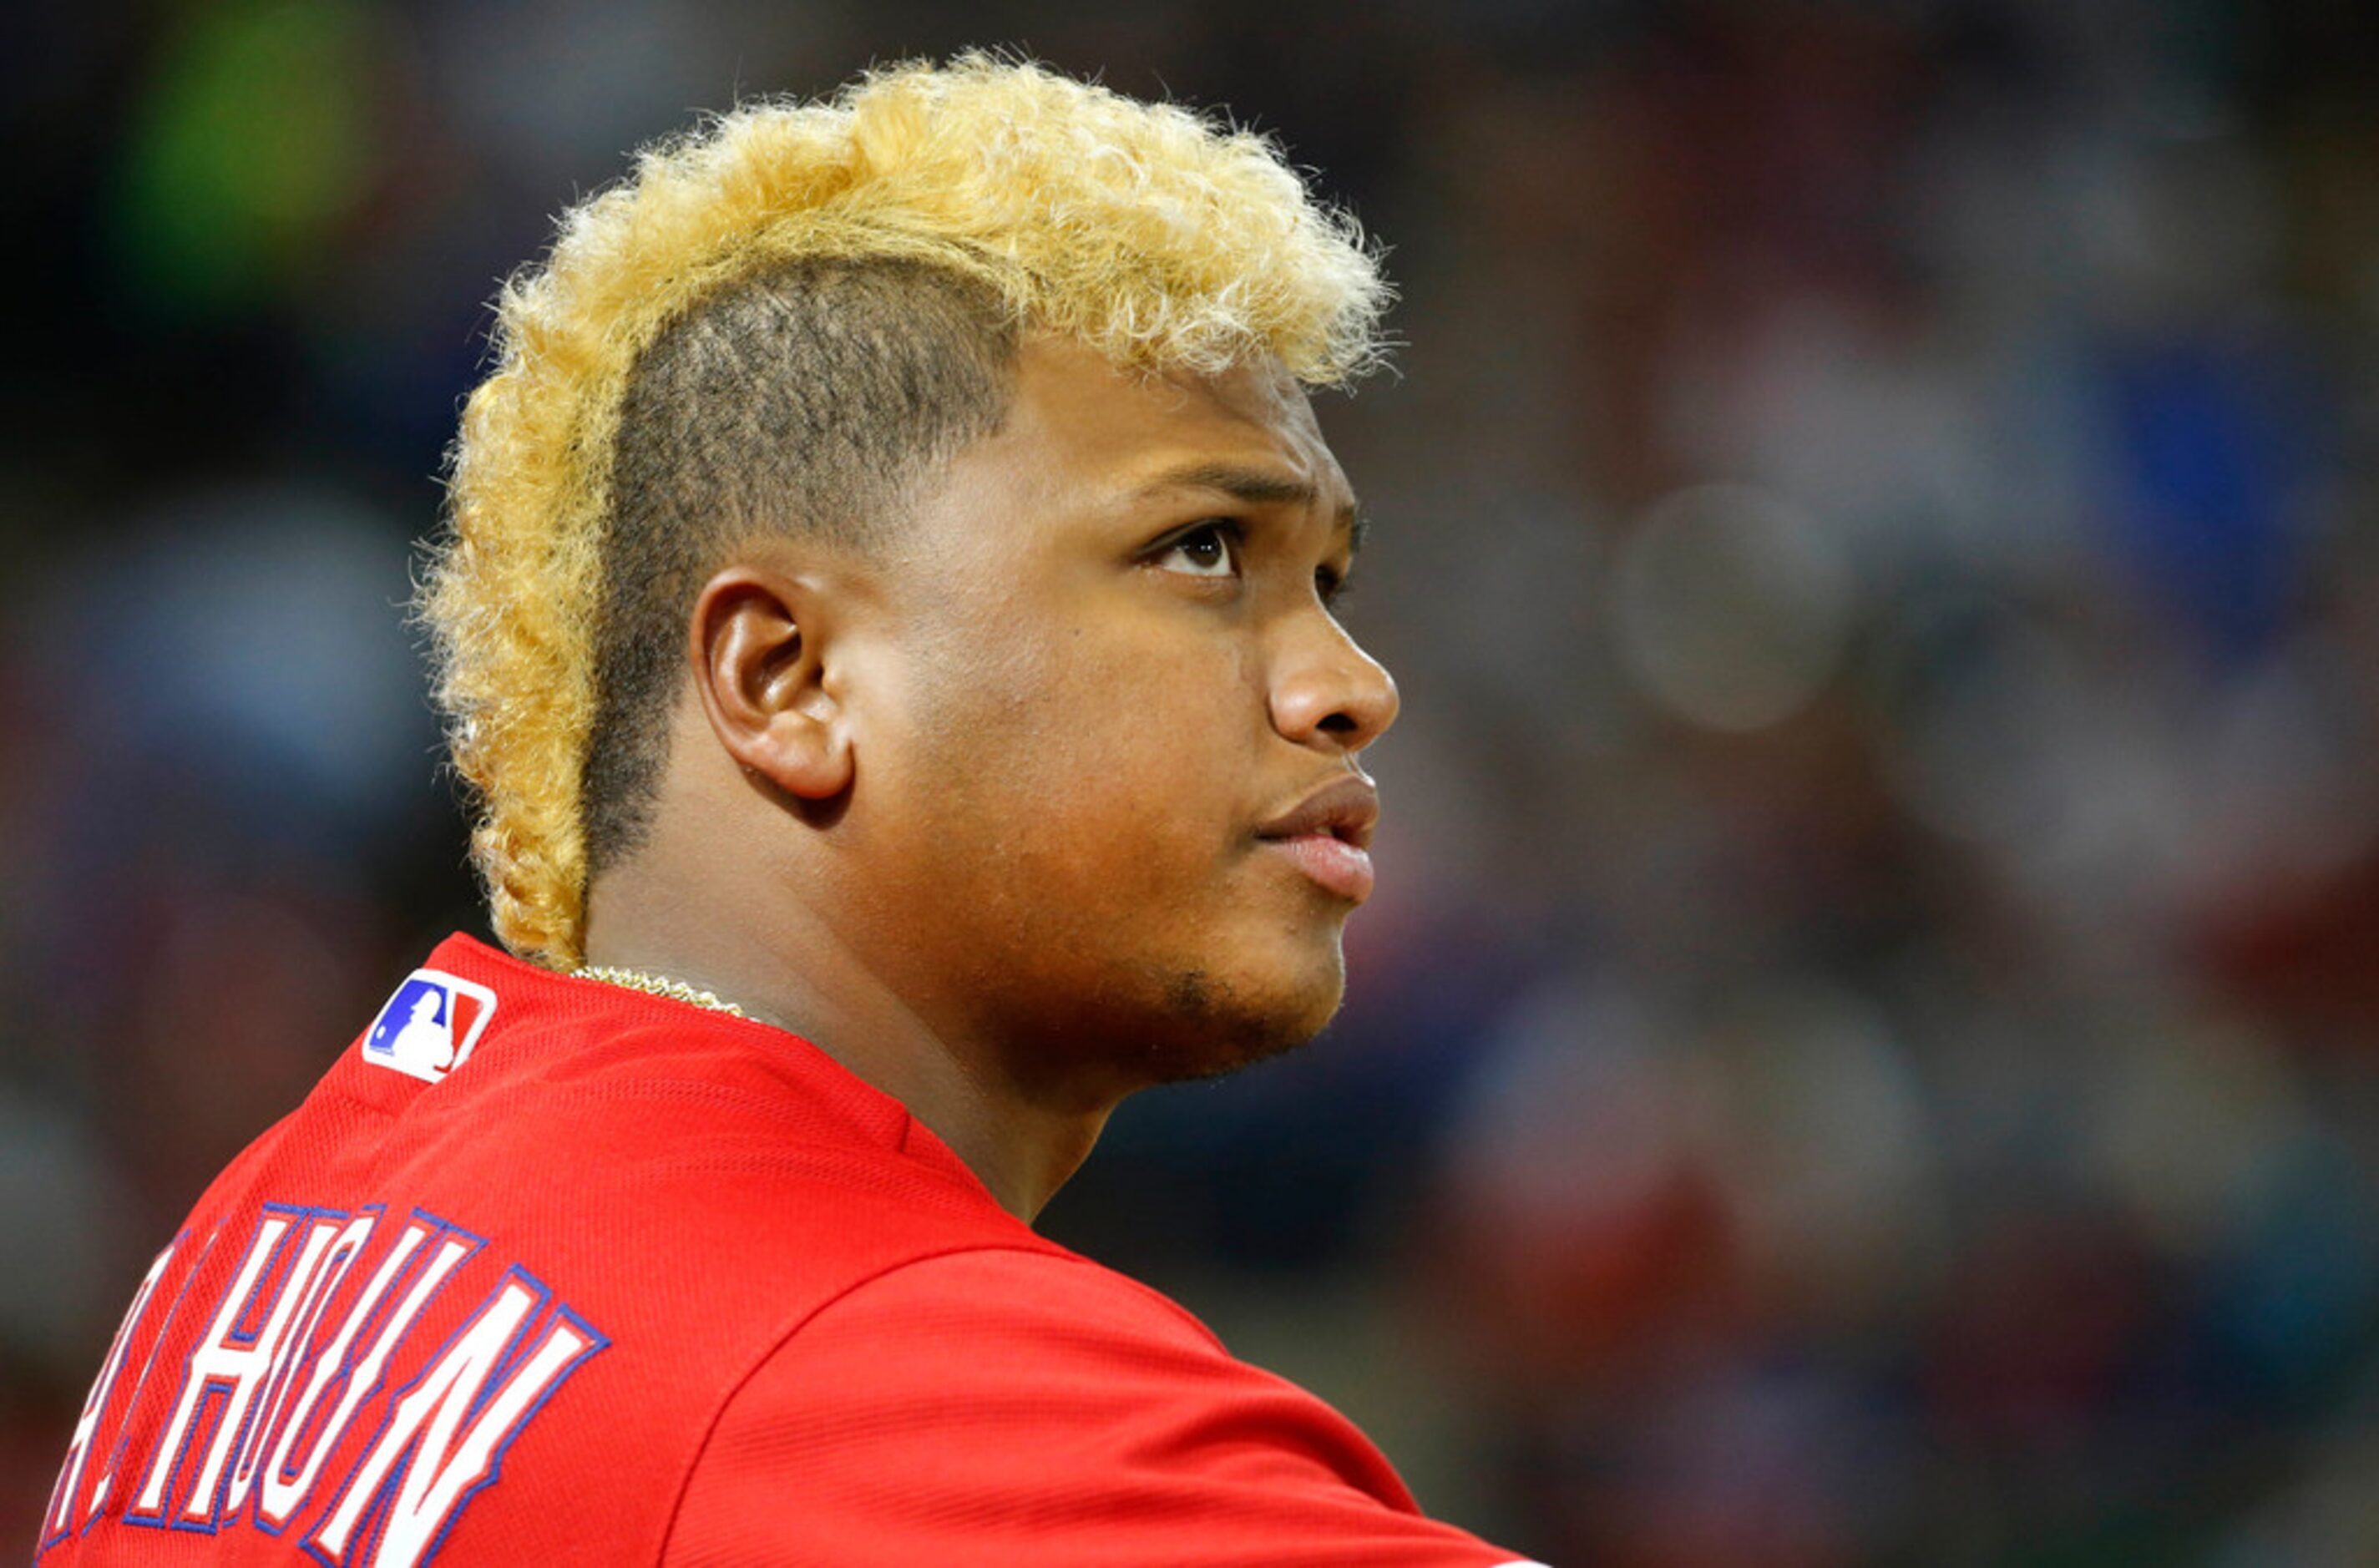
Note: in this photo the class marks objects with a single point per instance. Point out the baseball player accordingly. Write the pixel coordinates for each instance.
(886, 622)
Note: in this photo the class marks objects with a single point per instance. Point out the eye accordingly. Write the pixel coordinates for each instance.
(1211, 549)
(1330, 585)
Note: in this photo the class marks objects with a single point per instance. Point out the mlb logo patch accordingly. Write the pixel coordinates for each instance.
(427, 1029)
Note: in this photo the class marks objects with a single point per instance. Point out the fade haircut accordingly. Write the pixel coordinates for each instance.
(785, 319)
(811, 397)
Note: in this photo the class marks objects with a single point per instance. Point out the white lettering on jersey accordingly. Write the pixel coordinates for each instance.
(61, 1514)
(296, 1463)
(160, 1463)
(424, 1456)
(240, 1366)
(288, 1360)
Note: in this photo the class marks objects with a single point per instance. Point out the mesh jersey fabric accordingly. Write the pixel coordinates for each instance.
(612, 1279)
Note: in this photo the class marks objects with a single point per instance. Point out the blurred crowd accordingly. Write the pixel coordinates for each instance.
(1866, 1051)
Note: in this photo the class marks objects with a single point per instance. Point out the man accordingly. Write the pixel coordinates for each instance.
(887, 622)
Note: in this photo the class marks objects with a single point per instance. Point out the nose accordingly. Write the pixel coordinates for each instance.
(1327, 691)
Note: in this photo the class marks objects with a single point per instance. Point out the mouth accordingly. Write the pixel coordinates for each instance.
(1328, 835)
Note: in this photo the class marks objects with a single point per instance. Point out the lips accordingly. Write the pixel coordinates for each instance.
(1327, 836)
(1346, 809)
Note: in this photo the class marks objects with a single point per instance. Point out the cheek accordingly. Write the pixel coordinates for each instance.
(1103, 766)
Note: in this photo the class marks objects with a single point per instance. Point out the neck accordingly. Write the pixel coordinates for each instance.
(794, 970)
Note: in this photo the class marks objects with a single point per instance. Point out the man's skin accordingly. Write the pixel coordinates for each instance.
(994, 813)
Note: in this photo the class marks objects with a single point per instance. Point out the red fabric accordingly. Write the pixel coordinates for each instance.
(707, 1298)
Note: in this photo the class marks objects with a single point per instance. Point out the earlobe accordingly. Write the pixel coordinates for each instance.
(759, 647)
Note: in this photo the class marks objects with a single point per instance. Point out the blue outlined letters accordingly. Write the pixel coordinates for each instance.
(298, 1361)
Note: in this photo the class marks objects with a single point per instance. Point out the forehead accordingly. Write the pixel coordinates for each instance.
(1082, 428)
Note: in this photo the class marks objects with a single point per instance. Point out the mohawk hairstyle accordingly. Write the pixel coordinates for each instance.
(784, 320)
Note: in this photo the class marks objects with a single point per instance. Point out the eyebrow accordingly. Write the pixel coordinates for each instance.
(1258, 486)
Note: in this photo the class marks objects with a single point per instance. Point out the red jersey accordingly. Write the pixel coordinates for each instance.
(544, 1270)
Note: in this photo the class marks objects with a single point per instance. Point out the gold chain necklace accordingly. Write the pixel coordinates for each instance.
(660, 985)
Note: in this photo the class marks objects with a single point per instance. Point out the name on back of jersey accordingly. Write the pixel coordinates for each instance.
(280, 1379)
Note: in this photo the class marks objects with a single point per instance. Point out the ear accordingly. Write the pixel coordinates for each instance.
(759, 646)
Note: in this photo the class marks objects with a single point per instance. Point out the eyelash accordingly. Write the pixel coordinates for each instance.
(1329, 584)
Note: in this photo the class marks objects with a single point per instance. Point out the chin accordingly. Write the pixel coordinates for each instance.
(1216, 1024)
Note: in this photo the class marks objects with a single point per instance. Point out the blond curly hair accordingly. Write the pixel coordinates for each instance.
(1160, 237)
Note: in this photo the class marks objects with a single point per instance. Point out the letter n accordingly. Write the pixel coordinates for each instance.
(425, 1463)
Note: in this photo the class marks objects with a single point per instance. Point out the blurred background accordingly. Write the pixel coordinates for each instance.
(1867, 1048)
